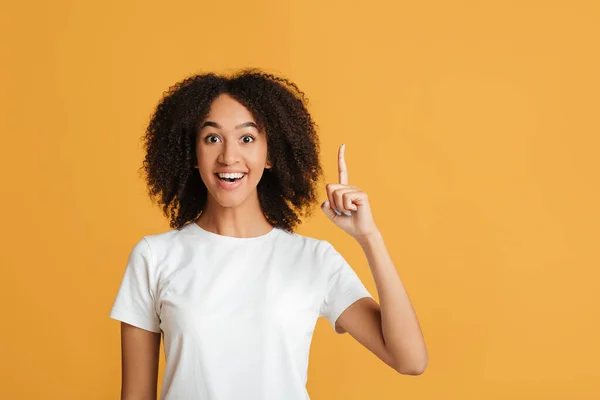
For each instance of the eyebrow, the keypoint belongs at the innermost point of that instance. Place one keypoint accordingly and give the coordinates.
(215, 125)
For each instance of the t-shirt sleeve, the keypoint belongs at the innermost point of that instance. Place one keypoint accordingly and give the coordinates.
(135, 301)
(344, 287)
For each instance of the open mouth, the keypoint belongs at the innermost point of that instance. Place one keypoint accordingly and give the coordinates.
(230, 177)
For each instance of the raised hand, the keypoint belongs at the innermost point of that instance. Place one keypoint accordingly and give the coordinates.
(347, 206)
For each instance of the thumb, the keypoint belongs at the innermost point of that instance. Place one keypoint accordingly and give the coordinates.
(328, 210)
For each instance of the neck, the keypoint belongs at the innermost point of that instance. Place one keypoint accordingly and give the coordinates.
(244, 221)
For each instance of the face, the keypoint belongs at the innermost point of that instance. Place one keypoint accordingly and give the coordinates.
(231, 153)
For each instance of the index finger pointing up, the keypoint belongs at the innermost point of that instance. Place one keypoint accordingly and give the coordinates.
(342, 170)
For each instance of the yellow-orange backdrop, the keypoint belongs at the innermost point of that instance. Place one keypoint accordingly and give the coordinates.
(472, 125)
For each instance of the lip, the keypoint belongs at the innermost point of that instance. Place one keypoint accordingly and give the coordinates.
(231, 186)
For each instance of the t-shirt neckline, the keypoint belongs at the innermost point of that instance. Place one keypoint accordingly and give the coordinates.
(197, 228)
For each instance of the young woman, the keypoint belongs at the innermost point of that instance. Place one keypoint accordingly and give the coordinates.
(233, 162)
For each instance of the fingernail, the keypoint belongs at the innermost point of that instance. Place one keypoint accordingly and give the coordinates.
(337, 212)
(325, 203)
(347, 213)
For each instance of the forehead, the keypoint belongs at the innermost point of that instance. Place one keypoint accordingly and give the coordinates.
(228, 112)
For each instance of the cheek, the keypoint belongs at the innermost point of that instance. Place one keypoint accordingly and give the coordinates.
(205, 176)
(204, 166)
(260, 154)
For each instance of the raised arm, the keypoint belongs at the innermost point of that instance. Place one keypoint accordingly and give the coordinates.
(390, 330)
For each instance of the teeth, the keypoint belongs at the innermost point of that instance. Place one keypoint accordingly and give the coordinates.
(231, 175)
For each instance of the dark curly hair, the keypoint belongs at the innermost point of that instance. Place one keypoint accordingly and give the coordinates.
(286, 192)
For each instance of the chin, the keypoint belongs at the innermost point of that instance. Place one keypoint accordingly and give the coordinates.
(234, 198)
(229, 203)
(231, 200)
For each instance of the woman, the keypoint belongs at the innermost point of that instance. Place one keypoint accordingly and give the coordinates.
(233, 162)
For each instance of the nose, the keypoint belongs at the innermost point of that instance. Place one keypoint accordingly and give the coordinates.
(229, 153)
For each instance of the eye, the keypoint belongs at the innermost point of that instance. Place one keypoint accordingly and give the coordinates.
(248, 139)
(209, 139)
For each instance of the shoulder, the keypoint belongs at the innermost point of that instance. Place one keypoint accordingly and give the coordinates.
(320, 249)
(158, 244)
(301, 240)
(164, 237)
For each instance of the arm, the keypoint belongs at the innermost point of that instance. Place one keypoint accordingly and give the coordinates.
(391, 331)
(140, 351)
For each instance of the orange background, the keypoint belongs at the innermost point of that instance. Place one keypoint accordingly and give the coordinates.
(472, 125)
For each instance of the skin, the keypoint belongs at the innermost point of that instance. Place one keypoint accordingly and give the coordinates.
(391, 330)
(223, 142)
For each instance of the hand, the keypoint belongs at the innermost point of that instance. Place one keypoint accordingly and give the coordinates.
(354, 216)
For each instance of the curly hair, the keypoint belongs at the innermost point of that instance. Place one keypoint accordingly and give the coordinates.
(286, 192)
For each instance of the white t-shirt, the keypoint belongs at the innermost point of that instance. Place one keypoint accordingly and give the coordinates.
(237, 314)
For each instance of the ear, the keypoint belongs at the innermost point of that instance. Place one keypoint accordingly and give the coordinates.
(268, 165)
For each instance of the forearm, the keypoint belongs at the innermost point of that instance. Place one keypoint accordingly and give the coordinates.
(399, 323)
